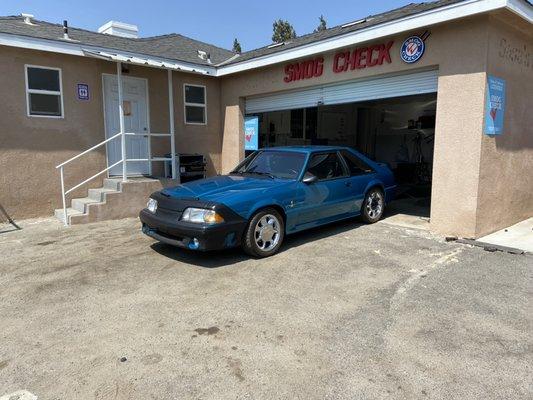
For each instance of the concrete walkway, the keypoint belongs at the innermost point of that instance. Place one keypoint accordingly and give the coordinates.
(518, 236)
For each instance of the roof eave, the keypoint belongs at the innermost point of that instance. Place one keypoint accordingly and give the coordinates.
(427, 18)
(416, 21)
(83, 50)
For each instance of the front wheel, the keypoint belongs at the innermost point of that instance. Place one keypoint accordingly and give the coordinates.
(264, 234)
(373, 206)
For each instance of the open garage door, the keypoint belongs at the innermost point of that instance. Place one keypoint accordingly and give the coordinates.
(347, 92)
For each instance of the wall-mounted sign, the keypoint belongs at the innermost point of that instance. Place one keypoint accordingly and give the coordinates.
(362, 57)
(413, 48)
(83, 91)
(358, 58)
(494, 106)
(304, 70)
(126, 107)
(251, 133)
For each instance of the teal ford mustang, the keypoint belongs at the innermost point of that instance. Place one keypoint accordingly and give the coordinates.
(274, 192)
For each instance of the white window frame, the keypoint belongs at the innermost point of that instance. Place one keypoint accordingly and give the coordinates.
(185, 104)
(52, 92)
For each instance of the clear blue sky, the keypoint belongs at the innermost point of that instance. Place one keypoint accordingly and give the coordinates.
(212, 21)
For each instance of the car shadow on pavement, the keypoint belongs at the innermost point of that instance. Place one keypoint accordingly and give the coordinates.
(223, 258)
(209, 259)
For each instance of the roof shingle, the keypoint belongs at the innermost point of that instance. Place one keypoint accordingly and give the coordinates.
(181, 48)
(172, 46)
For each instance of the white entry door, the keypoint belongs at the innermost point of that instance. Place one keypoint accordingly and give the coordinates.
(135, 120)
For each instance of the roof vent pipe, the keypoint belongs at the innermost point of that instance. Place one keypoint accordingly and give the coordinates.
(65, 30)
(27, 18)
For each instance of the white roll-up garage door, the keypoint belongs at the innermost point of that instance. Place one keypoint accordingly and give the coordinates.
(347, 92)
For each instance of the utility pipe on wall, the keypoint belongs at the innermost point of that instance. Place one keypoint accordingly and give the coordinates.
(171, 116)
(121, 121)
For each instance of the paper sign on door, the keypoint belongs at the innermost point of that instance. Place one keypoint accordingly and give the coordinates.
(126, 106)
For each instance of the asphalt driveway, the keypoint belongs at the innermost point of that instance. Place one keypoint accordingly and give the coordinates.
(344, 312)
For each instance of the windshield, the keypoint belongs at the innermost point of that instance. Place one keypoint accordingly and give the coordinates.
(275, 164)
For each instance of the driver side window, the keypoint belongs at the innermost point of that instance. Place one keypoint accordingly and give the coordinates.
(326, 166)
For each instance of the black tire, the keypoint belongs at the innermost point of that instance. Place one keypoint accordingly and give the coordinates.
(252, 242)
(373, 206)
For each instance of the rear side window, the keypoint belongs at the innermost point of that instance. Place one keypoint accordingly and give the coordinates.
(326, 166)
(355, 164)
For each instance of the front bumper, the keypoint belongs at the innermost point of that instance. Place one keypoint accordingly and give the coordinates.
(165, 225)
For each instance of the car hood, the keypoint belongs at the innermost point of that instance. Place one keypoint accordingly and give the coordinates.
(225, 187)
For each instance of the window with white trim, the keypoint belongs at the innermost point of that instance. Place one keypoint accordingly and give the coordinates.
(43, 91)
(195, 104)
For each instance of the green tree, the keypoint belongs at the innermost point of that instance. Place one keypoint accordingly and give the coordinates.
(322, 25)
(282, 31)
(237, 46)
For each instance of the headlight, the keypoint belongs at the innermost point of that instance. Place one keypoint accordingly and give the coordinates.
(151, 205)
(201, 216)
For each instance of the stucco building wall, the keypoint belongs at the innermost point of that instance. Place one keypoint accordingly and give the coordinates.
(31, 147)
(480, 183)
(458, 50)
(506, 165)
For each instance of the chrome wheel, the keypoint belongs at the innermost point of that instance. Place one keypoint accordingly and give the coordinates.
(267, 232)
(374, 205)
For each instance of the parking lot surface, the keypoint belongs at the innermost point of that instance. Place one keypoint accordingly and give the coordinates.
(347, 311)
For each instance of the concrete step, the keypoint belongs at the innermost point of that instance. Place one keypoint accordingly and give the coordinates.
(81, 204)
(99, 194)
(126, 200)
(113, 184)
(70, 212)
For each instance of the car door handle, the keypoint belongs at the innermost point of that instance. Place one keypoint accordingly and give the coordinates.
(348, 183)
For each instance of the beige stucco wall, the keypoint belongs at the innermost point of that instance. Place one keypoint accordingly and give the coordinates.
(458, 50)
(506, 166)
(31, 147)
(475, 186)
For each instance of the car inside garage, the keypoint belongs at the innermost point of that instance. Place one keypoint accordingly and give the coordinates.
(397, 130)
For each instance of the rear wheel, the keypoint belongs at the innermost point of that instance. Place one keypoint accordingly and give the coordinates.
(264, 234)
(373, 206)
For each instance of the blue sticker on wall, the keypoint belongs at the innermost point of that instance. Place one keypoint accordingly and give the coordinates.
(494, 106)
(83, 91)
(251, 133)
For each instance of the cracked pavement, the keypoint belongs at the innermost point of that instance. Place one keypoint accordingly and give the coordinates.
(345, 311)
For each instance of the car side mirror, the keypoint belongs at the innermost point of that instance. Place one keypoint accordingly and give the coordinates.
(309, 178)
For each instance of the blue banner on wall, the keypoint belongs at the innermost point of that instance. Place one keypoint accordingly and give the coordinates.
(494, 106)
(251, 133)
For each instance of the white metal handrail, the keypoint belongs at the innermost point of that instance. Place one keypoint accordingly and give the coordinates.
(62, 173)
(61, 166)
(92, 177)
(88, 150)
(122, 134)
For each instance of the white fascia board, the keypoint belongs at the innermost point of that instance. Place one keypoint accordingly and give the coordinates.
(77, 49)
(521, 8)
(416, 21)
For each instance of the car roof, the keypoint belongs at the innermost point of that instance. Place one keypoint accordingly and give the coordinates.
(305, 149)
